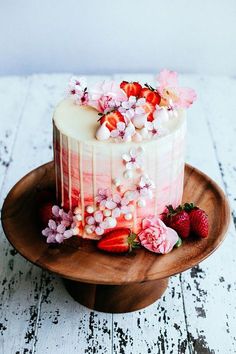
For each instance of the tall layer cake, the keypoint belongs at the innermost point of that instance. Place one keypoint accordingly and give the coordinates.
(119, 152)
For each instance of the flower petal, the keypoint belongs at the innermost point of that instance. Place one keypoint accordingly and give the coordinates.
(99, 231)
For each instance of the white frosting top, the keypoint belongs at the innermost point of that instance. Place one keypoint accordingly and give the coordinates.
(81, 122)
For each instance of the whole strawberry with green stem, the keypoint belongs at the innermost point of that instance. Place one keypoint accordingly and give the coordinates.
(199, 223)
(178, 219)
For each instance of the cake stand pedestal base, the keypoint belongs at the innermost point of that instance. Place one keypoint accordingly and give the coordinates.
(116, 298)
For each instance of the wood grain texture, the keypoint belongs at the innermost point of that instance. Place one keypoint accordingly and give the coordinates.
(80, 260)
(35, 306)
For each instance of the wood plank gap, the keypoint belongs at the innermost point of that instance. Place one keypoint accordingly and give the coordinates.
(185, 313)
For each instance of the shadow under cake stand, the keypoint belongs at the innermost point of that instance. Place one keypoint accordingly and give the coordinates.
(102, 281)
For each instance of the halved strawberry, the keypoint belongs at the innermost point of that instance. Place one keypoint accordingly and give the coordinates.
(131, 88)
(45, 213)
(151, 95)
(119, 240)
(112, 119)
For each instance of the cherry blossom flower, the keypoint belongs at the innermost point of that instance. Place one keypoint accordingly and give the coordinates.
(123, 132)
(118, 205)
(146, 185)
(134, 159)
(156, 236)
(77, 89)
(106, 96)
(155, 128)
(132, 107)
(104, 194)
(61, 227)
(169, 89)
(97, 223)
(142, 190)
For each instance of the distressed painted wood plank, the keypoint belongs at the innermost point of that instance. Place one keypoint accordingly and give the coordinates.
(160, 328)
(209, 289)
(21, 282)
(13, 95)
(73, 328)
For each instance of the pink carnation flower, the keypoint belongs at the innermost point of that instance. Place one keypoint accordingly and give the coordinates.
(179, 97)
(156, 236)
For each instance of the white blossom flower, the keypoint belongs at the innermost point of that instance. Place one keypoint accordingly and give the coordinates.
(134, 159)
(123, 132)
(155, 128)
(118, 205)
(77, 89)
(104, 194)
(142, 190)
(132, 107)
(96, 223)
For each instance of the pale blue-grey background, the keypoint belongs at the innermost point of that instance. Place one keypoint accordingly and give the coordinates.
(105, 36)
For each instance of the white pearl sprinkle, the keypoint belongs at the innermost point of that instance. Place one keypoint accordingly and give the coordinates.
(116, 182)
(78, 217)
(111, 221)
(77, 210)
(107, 212)
(128, 174)
(75, 231)
(88, 229)
(128, 216)
(90, 209)
(141, 203)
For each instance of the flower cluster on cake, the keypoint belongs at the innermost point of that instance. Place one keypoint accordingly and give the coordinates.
(119, 161)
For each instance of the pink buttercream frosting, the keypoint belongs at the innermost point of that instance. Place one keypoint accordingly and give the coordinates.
(156, 236)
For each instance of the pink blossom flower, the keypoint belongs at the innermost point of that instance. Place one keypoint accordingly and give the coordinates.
(170, 91)
(134, 159)
(106, 96)
(132, 107)
(77, 89)
(123, 132)
(104, 194)
(61, 227)
(142, 190)
(156, 236)
(118, 205)
(97, 223)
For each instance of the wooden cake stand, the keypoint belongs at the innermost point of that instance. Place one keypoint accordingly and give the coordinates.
(107, 282)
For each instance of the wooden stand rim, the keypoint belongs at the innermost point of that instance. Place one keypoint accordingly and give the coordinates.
(80, 260)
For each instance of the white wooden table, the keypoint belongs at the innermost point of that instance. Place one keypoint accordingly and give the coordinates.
(197, 313)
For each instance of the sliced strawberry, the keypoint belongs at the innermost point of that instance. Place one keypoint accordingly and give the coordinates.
(199, 222)
(131, 88)
(150, 117)
(112, 119)
(119, 240)
(178, 219)
(151, 95)
(45, 213)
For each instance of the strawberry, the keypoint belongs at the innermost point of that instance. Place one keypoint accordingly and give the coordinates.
(119, 240)
(45, 213)
(151, 95)
(131, 88)
(178, 219)
(112, 119)
(199, 222)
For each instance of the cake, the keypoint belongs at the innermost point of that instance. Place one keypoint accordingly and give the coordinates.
(119, 152)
